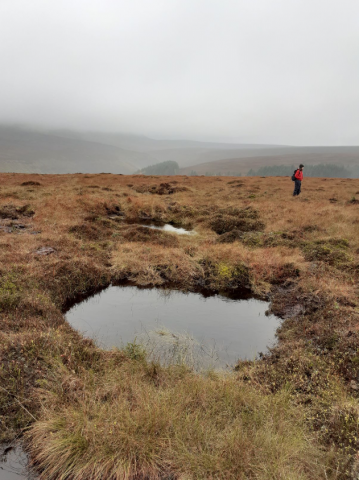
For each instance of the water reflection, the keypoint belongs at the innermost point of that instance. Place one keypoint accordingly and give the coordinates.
(169, 228)
(14, 464)
(229, 327)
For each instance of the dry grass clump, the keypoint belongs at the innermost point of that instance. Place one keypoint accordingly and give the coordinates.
(88, 231)
(150, 264)
(144, 422)
(259, 239)
(245, 220)
(230, 237)
(226, 223)
(333, 251)
(137, 233)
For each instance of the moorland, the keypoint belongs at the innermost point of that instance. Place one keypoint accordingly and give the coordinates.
(86, 413)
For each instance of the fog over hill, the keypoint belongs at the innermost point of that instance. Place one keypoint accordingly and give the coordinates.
(255, 158)
(30, 151)
(69, 151)
(26, 149)
(184, 152)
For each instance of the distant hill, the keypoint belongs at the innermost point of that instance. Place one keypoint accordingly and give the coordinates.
(184, 152)
(163, 168)
(141, 142)
(36, 152)
(68, 151)
(254, 159)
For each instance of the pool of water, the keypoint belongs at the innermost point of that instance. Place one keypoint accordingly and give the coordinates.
(169, 228)
(14, 464)
(165, 227)
(224, 329)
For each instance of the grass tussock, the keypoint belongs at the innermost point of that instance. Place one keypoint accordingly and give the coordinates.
(137, 233)
(88, 413)
(142, 422)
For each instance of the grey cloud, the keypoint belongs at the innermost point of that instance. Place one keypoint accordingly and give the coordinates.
(280, 71)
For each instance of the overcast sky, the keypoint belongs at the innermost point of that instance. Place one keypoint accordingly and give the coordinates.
(258, 71)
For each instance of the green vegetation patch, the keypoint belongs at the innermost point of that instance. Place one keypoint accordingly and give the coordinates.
(333, 251)
(10, 292)
(225, 274)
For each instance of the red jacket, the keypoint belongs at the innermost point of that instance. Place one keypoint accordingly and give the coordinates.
(299, 175)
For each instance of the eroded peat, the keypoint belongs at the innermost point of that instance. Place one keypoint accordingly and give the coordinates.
(78, 404)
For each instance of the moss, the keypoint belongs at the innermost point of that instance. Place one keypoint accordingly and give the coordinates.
(225, 275)
(225, 271)
(10, 292)
(333, 252)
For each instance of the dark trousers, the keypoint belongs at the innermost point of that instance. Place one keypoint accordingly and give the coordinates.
(297, 187)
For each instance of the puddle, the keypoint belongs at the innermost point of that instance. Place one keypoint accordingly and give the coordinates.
(14, 464)
(149, 223)
(169, 228)
(222, 328)
(165, 227)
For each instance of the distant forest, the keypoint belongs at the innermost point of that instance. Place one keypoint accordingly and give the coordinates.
(163, 168)
(320, 170)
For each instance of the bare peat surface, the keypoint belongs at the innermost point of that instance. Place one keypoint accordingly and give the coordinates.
(220, 328)
(14, 464)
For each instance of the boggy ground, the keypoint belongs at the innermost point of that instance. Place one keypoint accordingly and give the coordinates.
(90, 414)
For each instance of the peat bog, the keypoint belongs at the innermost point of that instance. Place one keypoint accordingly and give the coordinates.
(75, 405)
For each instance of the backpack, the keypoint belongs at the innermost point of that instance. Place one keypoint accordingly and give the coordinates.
(293, 176)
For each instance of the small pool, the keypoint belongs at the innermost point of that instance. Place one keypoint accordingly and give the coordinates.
(14, 464)
(221, 328)
(165, 227)
(169, 228)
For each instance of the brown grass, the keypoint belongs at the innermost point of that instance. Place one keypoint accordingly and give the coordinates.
(292, 414)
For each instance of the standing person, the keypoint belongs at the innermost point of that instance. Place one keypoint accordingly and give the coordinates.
(298, 177)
